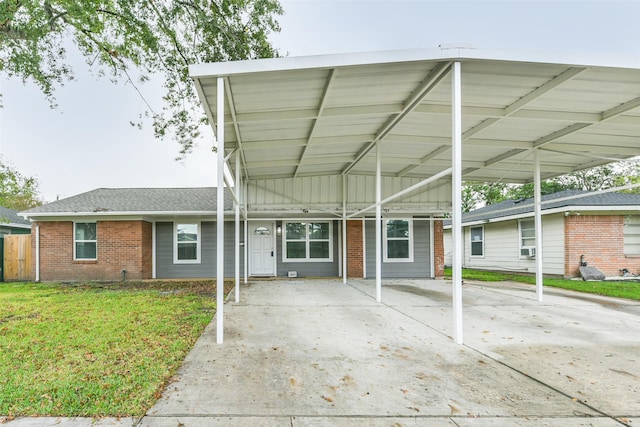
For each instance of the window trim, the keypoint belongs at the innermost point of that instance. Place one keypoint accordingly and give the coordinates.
(75, 241)
(385, 239)
(198, 243)
(521, 238)
(307, 241)
(471, 241)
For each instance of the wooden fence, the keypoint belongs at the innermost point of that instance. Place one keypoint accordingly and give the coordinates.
(17, 257)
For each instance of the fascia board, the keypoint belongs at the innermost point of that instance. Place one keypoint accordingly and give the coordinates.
(453, 53)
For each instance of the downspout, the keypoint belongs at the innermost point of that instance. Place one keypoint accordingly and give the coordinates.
(37, 253)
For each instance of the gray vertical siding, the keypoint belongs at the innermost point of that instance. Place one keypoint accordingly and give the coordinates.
(309, 269)
(421, 265)
(166, 269)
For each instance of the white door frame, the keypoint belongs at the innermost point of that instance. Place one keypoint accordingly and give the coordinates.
(272, 227)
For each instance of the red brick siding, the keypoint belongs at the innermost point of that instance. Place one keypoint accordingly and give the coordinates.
(355, 249)
(438, 249)
(121, 245)
(600, 238)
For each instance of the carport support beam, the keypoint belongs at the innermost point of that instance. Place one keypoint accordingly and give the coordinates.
(537, 188)
(238, 188)
(220, 214)
(378, 225)
(456, 197)
(344, 229)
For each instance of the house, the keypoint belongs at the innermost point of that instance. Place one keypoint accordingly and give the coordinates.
(12, 223)
(143, 233)
(602, 229)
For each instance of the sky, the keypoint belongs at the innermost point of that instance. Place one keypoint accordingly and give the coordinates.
(87, 142)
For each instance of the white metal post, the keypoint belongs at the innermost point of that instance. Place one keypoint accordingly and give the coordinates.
(456, 197)
(538, 223)
(154, 255)
(220, 214)
(378, 225)
(246, 232)
(237, 236)
(344, 229)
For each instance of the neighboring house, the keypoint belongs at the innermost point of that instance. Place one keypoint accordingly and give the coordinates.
(11, 223)
(171, 233)
(602, 228)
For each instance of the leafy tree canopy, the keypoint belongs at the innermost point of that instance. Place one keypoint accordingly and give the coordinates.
(18, 192)
(476, 194)
(140, 38)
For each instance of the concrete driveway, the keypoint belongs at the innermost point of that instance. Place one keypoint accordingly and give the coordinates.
(320, 353)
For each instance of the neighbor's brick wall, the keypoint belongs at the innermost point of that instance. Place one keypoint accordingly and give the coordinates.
(438, 249)
(121, 245)
(355, 249)
(600, 238)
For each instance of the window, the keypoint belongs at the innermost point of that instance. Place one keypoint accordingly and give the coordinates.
(187, 243)
(632, 235)
(477, 241)
(398, 240)
(85, 241)
(307, 241)
(527, 237)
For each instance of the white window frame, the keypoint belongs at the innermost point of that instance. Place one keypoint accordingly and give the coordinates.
(385, 239)
(631, 235)
(307, 241)
(198, 243)
(471, 241)
(75, 241)
(521, 238)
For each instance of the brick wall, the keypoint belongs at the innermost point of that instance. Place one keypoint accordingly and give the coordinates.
(121, 245)
(438, 249)
(355, 249)
(600, 238)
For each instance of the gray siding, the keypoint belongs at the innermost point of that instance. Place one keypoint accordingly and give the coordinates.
(421, 265)
(310, 269)
(166, 269)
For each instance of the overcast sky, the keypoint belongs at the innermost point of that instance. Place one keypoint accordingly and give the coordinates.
(87, 142)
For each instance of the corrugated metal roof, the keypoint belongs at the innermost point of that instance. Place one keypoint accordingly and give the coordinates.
(321, 115)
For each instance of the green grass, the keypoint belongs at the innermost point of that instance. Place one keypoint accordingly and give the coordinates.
(95, 349)
(622, 289)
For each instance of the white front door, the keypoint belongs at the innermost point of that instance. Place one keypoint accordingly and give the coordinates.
(263, 248)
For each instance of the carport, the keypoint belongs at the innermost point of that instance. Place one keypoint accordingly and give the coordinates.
(366, 135)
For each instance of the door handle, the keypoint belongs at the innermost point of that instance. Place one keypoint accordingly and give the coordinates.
(271, 253)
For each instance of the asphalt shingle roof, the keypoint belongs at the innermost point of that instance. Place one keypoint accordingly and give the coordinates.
(137, 200)
(8, 216)
(517, 207)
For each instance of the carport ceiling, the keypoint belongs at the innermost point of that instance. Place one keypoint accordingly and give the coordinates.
(322, 115)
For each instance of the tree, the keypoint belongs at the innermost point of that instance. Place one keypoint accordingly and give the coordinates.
(127, 39)
(598, 178)
(16, 191)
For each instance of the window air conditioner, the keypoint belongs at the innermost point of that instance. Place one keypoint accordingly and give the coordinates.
(530, 252)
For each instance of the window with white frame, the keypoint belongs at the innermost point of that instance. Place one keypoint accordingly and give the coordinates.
(186, 243)
(85, 241)
(398, 240)
(307, 241)
(477, 241)
(527, 237)
(632, 235)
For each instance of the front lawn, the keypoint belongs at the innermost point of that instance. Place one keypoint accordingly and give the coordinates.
(95, 349)
(622, 289)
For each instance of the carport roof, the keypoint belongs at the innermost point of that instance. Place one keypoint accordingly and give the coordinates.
(322, 115)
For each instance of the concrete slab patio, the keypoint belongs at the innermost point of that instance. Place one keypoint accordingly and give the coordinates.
(318, 352)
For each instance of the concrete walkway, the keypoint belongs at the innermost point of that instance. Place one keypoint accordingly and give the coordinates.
(320, 353)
